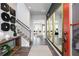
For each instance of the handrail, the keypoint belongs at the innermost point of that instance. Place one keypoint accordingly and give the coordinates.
(74, 24)
(23, 25)
(10, 39)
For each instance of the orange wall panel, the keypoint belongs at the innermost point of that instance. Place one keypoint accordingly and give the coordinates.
(66, 29)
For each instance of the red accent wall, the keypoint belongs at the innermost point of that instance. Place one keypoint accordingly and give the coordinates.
(66, 29)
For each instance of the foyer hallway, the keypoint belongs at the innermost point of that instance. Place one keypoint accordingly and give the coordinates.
(39, 48)
(39, 29)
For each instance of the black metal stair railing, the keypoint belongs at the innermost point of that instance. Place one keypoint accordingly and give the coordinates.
(24, 27)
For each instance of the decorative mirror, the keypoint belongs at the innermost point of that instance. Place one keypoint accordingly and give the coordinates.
(5, 26)
(12, 11)
(13, 27)
(5, 7)
(5, 16)
(12, 20)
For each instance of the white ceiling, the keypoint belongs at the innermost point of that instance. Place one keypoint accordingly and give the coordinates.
(38, 8)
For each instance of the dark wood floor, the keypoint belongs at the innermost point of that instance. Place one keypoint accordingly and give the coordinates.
(24, 51)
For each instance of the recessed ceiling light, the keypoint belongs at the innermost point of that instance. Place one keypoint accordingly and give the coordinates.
(43, 10)
(29, 7)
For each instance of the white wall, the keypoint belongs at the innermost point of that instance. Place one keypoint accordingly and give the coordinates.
(39, 20)
(38, 17)
(23, 13)
(13, 5)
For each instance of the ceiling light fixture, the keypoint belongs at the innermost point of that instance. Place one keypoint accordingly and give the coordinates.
(29, 7)
(43, 10)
